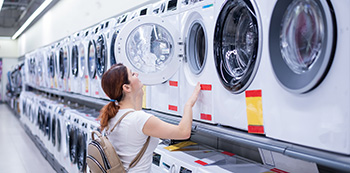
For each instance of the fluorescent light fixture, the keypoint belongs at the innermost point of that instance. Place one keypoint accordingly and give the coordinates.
(31, 18)
(1, 2)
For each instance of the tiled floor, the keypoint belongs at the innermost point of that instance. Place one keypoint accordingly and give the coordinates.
(18, 153)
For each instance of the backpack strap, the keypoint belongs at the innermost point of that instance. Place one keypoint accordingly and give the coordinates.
(120, 119)
(143, 149)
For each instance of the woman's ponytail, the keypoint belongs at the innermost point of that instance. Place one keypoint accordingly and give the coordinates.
(112, 82)
(107, 112)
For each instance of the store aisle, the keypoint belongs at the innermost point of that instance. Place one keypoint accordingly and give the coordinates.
(18, 152)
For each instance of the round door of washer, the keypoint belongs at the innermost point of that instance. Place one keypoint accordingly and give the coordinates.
(150, 46)
(92, 59)
(75, 61)
(305, 33)
(237, 44)
(101, 55)
(82, 62)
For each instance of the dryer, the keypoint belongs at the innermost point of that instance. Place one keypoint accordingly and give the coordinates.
(74, 81)
(164, 96)
(239, 65)
(197, 29)
(307, 97)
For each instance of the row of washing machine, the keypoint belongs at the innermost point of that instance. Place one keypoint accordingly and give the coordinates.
(63, 128)
(275, 67)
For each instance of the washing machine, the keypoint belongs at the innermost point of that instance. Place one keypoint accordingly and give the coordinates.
(30, 70)
(39, 79)
(91, 61)
(88, 123)
(52, 67)
(74, 81)
(63, 63)
(48, 126)
(59, 147)
(150, 45)
(102, 40)
(197, 18)
(83, 64)
(305, 101)
(46, 67)
(239, 65)
(71, 141)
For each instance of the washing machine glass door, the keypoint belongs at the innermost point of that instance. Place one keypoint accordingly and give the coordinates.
(65, 62)
(81, 148)
(196, 46)
(82, 60)
(92, 59)
(150, 46)
(112, 57)
(61, 63)
(236, 45)
(75, 61)
(59, 134)
(101, 55)
(305, 32)
(48, 125)
(53, 130)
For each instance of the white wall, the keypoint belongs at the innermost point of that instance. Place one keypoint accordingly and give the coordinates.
(69, 16)
(8, 48)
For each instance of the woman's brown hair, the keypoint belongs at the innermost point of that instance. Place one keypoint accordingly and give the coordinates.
(112, 84)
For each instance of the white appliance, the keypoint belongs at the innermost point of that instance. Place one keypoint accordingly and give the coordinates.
(307, 94)
(91, 61)
(103, 39)
(114, 31)
(39, 56)
(72, 140)
(52, 63)
(74, 81)
(197, 29)
(63, 57)
(237, 46)
(164, 95)
(83, 65)
(60, 148)
(46, 66)
(82, 135)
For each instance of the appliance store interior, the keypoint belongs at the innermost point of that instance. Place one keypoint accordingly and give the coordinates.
(274, 96)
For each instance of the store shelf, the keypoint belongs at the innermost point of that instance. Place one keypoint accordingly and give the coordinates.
(328, 159)
(332, 160)
(73, 97)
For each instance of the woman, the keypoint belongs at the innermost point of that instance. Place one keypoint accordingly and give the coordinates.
(125, 90)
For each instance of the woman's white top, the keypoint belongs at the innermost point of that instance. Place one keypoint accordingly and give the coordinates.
(128, 139)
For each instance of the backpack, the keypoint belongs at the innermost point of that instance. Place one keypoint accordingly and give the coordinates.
(103, 158)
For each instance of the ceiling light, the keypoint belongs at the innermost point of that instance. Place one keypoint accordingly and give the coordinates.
(1, 2)
(31, 18)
